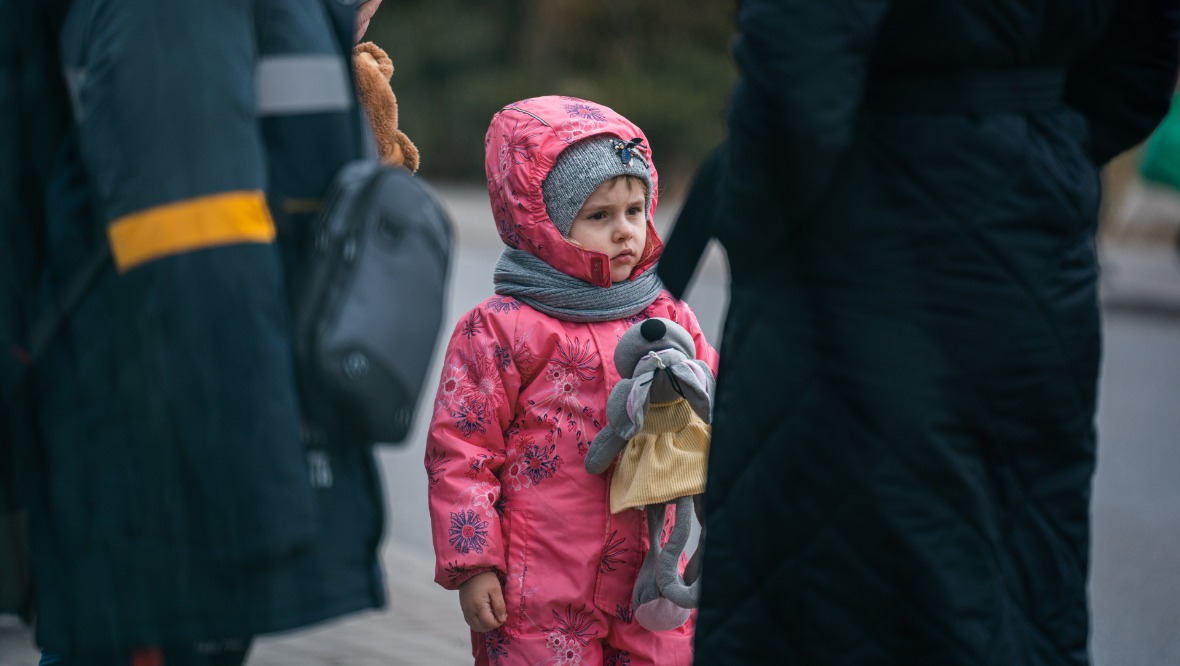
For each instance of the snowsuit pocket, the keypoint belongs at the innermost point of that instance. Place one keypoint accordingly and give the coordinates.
(516, 560)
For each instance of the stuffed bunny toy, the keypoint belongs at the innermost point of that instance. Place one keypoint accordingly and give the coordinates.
(657, 426)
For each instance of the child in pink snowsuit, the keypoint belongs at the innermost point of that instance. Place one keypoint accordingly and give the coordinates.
(544, 571)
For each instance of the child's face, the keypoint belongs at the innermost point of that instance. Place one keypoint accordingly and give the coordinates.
(613, 221)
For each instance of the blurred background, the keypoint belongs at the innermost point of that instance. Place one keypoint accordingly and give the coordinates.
(667, 69)
(457, 63)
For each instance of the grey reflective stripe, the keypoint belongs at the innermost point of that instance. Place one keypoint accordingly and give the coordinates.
(302, 83)
(75, 77)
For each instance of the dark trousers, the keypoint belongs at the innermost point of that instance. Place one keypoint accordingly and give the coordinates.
(213, 653)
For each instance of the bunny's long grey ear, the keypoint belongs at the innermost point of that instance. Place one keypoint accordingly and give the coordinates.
(637, 403)
(696, 382)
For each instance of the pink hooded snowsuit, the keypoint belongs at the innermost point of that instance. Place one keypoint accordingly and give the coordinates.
(521, 396)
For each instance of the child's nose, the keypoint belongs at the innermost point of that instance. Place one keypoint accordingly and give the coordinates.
(623, 231)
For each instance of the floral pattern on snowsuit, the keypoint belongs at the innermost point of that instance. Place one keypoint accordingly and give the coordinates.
(508, 489)
(520, 397)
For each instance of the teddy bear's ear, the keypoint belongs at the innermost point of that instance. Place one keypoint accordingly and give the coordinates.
(380, 58)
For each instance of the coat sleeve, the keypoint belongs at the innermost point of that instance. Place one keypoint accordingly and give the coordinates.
(705, 351)
(1124, 84)
(803, 65)
(802, 68)
(465, 447)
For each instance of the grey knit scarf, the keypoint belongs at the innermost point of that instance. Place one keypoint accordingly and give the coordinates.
(525, 277)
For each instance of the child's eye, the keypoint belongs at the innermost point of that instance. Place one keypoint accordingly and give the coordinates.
(597, 215)
(635, 210)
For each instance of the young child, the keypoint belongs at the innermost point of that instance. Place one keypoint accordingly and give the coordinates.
(544, 571)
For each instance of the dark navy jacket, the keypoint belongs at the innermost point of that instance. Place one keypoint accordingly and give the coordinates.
(170, 494)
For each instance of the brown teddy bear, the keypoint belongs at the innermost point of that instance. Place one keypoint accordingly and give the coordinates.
(373, 69)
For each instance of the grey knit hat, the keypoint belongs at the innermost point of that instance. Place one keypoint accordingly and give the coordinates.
(582, 167)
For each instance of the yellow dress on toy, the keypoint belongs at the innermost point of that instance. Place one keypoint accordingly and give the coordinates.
(664, 461)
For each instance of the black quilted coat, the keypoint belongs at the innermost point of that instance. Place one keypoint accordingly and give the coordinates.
(904, 437)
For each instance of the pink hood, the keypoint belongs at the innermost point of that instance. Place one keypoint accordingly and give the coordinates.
(521, 146)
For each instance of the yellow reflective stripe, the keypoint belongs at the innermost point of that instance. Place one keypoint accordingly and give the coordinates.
(225, 218)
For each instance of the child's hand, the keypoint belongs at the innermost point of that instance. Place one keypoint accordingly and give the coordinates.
(482, 599)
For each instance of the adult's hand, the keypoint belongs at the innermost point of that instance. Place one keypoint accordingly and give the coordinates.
(364, 14)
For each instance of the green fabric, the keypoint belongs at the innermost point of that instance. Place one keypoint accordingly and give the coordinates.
(1161, 158)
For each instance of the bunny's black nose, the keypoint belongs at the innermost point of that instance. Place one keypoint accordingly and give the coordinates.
(652, 330)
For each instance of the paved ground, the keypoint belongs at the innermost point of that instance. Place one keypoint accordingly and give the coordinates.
(423, 625)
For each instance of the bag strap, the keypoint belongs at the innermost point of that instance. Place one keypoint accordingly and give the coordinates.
(49, 322)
